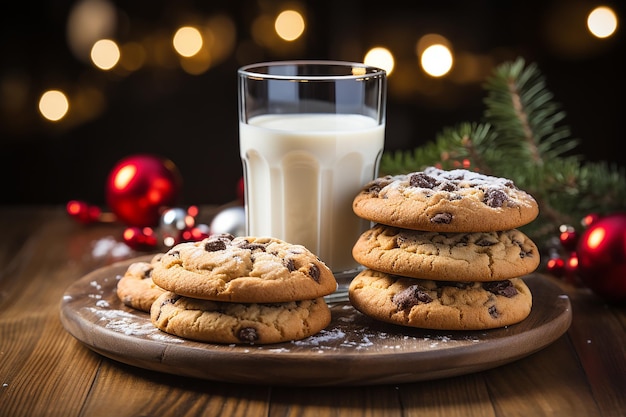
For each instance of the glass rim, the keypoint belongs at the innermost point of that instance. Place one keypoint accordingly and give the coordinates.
(368, 71)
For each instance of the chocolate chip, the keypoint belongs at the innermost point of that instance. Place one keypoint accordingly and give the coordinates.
(402, 239)
(170, 300)
(442, 218)
(174, 254)
(455, 284)
(374, 190)
(253, 246)
(147, 273)
(378, 184)
(289, 264)
(523, 253)
(495, 198)
(223, 236)
(485, 242)
(218, 242)
(212, 245)
(248, 334)
(504, 288)
(411, 296)
(493, 312)
(314, 272)
(422, 180)
(447, 186)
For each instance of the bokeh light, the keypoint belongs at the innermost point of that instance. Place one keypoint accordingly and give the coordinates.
(261, 30)
(380, 57)
(429, 40)
(198, 63)
(602, 22)
(220, 37)
(53, 105)
(436, 60)
(187, 41)
(105, 54)
(89, 21)
(133, 56)
(289, 25)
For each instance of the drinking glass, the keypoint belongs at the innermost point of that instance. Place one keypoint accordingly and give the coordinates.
(311, 134)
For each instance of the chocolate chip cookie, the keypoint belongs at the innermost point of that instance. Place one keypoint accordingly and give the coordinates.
(446, 201)
(478, 256)
(244, 270)
(441, 305)
(239, 323)
(136, 288)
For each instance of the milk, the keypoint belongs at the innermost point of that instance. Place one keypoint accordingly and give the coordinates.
(302, 172)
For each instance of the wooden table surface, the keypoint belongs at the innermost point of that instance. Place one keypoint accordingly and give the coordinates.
(44, 371)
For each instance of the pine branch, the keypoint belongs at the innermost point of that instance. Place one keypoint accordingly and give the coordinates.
(520, 106)
(523, 137)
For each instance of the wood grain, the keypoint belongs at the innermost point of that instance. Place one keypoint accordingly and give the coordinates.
(45, 371)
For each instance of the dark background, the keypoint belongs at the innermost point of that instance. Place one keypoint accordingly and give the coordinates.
(192, 119)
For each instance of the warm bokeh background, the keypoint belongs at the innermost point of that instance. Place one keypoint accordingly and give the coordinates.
(185, 109)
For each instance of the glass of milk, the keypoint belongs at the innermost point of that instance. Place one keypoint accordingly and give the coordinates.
(311, 134)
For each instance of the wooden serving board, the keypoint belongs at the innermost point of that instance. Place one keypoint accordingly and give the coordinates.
(352, 350)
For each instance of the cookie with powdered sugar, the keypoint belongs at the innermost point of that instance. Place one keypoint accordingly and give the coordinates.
(244, 269)
(446, 201)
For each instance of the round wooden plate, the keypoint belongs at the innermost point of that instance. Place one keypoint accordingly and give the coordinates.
(352, 350)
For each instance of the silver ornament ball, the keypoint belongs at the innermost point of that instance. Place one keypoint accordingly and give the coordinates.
(175, 220)
(230, 220)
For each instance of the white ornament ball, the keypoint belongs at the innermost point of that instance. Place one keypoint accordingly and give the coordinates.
(230, 220)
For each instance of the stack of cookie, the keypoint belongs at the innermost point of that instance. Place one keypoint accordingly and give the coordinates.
(227, 289)
(445, 252)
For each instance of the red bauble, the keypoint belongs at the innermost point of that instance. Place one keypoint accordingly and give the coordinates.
(140, 238)
(568, 238)
(602, 257)
(241, 191)
(139, 186)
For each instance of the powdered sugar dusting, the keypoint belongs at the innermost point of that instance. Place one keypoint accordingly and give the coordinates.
(110, 247)
(350, 330)
(127, 323)
(321, 338)
(466, 178)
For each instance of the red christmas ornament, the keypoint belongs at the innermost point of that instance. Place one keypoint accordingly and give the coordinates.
(602, 257)
(568, 238)
(196, 233)
(140, 238)
(241, 191)
(139, 187)
(589, 219)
